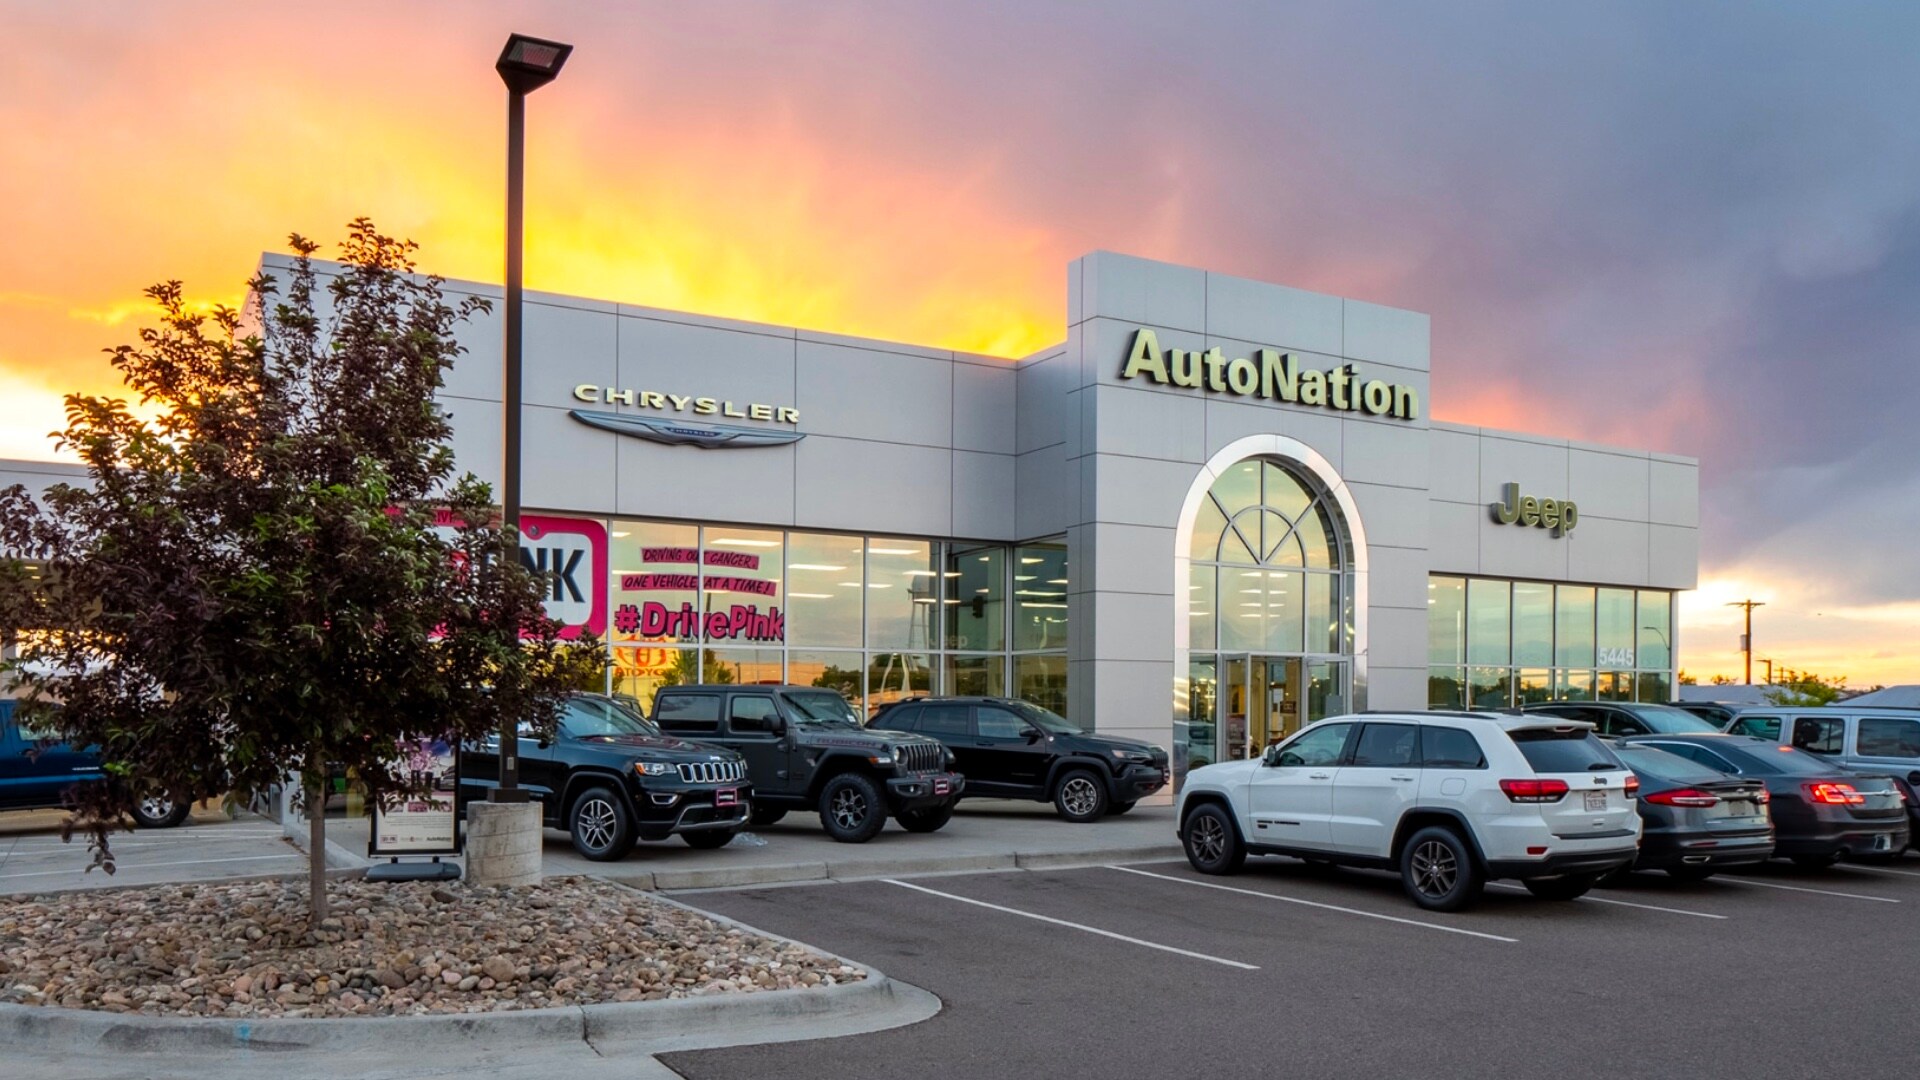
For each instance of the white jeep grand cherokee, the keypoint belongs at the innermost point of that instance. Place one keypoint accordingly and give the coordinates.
(1449, 800)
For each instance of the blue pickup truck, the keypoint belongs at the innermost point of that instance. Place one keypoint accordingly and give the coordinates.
(37, 768)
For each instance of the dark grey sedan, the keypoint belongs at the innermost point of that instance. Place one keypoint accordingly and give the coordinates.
(1695, 820)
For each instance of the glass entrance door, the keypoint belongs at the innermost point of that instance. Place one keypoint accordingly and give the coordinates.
(1261, 703)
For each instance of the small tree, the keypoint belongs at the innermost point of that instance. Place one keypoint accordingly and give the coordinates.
(251, 586)
(1804, 688)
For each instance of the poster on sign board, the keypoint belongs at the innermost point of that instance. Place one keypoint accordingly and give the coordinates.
(424, 823)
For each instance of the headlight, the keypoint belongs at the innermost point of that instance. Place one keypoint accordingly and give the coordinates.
(1132, 755)
(655, 768)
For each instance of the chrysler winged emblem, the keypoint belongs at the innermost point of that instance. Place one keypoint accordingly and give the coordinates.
(683, 433)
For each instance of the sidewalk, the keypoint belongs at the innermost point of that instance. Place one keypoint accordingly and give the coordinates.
(983, 835)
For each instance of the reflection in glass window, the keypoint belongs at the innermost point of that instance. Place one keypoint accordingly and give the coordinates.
(976, 597)
(903, 593)
(892, 676)
(640, 671)
(1200, 734)
(1042, 679)
(977, 676)
(1446, 620)
(1656, 631)
(1490, 688)
(1573, 626)
(742, 667)
(1572, 685)
(1613, 612)
(1200, 613)
(1532, 624)
(830, 670)
(1535, 685)
(1040, 596)
(654, 582)
(1488, 612)
(1446, 688)
(820, 609)
(1655, 686)
(1262, 610)
(740, 581)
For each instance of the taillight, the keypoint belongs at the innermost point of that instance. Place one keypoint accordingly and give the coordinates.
(1534, 791)
(1633, 785)
(1763, 796)
(1684, 797)
(1834, 794)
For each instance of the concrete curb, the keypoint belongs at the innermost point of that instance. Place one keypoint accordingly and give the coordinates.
(724, 877)
(719, 1019)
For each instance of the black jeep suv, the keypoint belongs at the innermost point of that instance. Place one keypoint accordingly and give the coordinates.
(609, 777)
(805, 749)
(1018, 750)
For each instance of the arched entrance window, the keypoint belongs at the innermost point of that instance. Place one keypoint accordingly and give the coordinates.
(1270, 602)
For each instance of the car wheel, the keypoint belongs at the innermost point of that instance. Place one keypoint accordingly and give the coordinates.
(851, 810)
(1080, 796)
(1122, 807)
(601, 825)
(708, 839)
(1212, 844)
(1690, 873)
(1814, 862)
(1438, 871)
(926, 821)
(1564, 887)
(764, 817)
(159, 812)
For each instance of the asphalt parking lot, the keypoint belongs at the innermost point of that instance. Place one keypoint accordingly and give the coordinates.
(208, 846)
(1152, 970)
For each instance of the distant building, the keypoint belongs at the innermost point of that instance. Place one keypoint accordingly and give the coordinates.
(1899, 697)
(1727, 693)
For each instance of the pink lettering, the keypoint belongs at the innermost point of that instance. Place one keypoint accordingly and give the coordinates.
(669, 555)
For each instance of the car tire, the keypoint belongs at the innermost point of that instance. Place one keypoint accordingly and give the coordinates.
(1080, 796)
(601, 825)
(1122, 807)
(851, 809)
(1564, 887)
(1211, 842)
(1690, 873)
(1438, 870)
(159, 812)
(708, 839)
(1814, 862)
(764, 817)
(926, 821)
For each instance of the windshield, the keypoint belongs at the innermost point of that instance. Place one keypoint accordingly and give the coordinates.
(1667, 720)
(594, 717)
(1046, 719)
(820, 707)
(1574, 751)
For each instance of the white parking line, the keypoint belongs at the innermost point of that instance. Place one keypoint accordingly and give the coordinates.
(153, 865)
(1620, 903)
(1317, 904)
(1816, 892)
(1881, 870)
(1073, 925)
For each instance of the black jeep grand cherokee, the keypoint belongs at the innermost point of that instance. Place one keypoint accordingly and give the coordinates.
(806, 750)
(1018, 750)
(609, 777)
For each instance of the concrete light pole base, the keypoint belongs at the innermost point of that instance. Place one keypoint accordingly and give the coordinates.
(503, 843)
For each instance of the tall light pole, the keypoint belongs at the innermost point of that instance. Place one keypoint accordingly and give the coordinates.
(1746, 639)
(525, 65)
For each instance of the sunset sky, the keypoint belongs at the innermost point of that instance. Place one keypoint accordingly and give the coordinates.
(1687, 226)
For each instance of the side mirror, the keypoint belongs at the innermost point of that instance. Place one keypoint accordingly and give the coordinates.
(1033, 735)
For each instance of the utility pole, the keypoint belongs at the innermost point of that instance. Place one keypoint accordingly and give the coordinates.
(1746, 639)
(1767, 660)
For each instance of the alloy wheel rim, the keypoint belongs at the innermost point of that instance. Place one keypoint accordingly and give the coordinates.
(1208, 839)
(1434, 869)
(596, 824)
(1079, 796)
(156, 807)
(849, 808)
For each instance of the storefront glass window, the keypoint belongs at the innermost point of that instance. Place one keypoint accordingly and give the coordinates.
(976, 597)
(903, 593)
(1446, 688)
(654, 586)
(742, 667)
(1655, 686)
(1040, 596)
(1488, 604)
(1532, 624)
(1614, 686)
(1318, 539)
(1490, 688)
(1573, 685)
(740, 581)
(1238, 487)
(1200, 613)
(830, 670)
(1323, 614)
(1042, 679)
(1656, 631)
(892, 676)
(1262, 611)
(1446, 620)
(1202, 694)
(821, 609)
(1536, 685)
(1613, 611)
(640, 671)
(1207, 528)
(1573, 626)
(977, 676)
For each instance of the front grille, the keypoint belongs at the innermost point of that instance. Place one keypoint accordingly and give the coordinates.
(712, 772)
(920, 757)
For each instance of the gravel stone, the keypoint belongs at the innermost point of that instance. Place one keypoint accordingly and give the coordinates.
(405, 948)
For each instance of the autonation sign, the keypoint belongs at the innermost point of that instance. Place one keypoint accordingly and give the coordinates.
(1269, 374)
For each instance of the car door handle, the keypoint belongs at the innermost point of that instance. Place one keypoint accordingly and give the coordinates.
(1318, 775)
(1400, 778)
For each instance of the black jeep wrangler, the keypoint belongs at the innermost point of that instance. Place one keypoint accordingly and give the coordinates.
(609, 777)
(805, 749)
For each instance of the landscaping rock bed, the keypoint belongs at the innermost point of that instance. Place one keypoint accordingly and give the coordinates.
(245, 950)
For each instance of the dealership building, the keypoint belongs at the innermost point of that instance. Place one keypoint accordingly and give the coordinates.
(1217, 510)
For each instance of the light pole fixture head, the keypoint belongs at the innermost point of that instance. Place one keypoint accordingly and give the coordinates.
(529, 63)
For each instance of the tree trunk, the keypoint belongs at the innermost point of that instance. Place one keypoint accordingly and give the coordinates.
(316, 847)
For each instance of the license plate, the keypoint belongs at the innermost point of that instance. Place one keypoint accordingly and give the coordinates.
(1596, 800)
(1882, 842)
(942, 787)
(726, 796)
